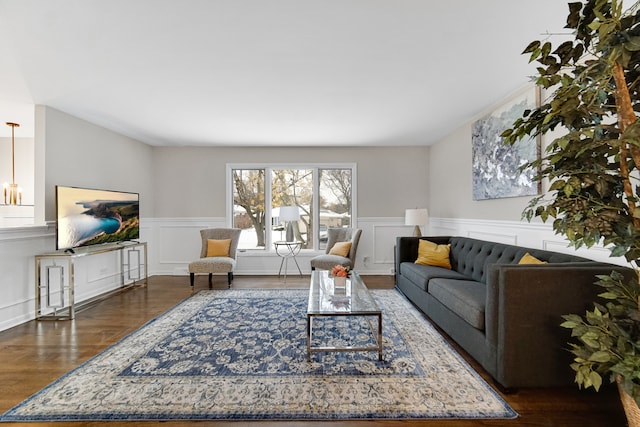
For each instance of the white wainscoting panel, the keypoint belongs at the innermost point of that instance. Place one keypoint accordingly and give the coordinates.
(384, 237)
(17, 281)
(376, 248)
(530, 235)
(176, 241)
(507, 239)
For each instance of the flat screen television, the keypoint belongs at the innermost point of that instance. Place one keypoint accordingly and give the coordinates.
(86, 216)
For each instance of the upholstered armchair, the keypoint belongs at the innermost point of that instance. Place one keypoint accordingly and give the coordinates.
(342, 245)
(217, 255)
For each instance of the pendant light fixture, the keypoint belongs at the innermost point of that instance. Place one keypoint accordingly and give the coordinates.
(15, 192)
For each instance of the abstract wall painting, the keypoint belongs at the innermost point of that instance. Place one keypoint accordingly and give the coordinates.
(495, 165)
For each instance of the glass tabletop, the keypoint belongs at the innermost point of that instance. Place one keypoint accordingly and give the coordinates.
(326, 299)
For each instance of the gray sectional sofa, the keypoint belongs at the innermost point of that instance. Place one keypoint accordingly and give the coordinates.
(505, 315)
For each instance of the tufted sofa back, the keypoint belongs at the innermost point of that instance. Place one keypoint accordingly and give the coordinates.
(471, 257)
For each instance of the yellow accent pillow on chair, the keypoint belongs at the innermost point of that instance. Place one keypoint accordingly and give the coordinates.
(341, 248)
(218, 247)
(430, 253)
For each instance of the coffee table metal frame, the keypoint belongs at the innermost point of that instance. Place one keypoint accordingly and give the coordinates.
(356, 300)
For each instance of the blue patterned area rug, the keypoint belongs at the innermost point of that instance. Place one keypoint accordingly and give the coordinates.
(241, 355)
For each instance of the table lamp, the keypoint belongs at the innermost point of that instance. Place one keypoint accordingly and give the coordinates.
(289, 214)
(416, 217)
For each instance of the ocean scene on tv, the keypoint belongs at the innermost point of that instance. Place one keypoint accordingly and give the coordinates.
(91, 217)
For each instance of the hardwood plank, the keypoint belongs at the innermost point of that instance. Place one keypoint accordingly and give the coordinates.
(35, 354)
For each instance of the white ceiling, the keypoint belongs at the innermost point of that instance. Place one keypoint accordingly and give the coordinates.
(268, 72)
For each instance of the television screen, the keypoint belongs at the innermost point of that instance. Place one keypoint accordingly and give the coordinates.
(89, 217)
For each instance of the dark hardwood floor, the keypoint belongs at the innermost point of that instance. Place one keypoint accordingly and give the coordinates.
(34, 354)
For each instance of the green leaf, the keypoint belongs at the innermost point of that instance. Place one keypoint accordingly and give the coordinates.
(544, 215)
(590, 339)
(600, 357)
(569, 324)
(608, 295)
(568, 189)
(574, 14)
(573, 318)
(633, 44)
(565, 51)
(595, 379)
(606, 28)
(534, 55)
(548, 118)
(618, 251)
(532, 46)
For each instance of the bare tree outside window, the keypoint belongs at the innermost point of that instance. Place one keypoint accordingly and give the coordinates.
(335, 201)
(294, 187)
(249, 206)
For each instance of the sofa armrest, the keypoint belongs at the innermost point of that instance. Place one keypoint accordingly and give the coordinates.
(407, 248)
(523, 311)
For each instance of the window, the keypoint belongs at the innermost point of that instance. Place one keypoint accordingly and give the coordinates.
(322, 194)
(335, 201)
(249, 211)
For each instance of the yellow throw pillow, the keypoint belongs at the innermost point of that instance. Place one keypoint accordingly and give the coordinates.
(433, 254)
(530, 259)
(218, 247)
(340, 248)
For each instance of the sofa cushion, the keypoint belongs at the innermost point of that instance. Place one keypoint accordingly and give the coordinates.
(420, 274)
(466, 298)
(530, 259)
(430, 253)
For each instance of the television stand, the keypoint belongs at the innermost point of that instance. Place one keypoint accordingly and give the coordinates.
(55, 295)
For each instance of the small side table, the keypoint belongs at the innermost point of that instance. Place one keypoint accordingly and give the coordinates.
(286, 251)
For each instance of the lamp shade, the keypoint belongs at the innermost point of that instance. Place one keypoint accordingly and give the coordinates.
(289, 213)
(416, 217)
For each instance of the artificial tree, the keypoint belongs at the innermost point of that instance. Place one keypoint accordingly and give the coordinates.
(593, 82)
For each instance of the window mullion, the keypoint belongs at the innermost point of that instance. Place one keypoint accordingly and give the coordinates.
(268, 190)
(316, 208)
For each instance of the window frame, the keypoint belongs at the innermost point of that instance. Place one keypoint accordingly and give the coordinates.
(268, 167)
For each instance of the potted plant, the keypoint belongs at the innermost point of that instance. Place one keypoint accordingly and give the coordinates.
(593, 165)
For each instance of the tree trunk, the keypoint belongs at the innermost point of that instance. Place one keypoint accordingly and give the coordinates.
(626, 117)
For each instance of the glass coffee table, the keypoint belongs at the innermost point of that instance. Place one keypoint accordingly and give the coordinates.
(325, 300)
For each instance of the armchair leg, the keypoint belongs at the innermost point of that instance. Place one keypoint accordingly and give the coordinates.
(210, 280)
(192, 280)
(230, 277)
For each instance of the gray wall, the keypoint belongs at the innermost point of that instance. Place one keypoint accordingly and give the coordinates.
(191, 182)
(81, 154)
(176, 182)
